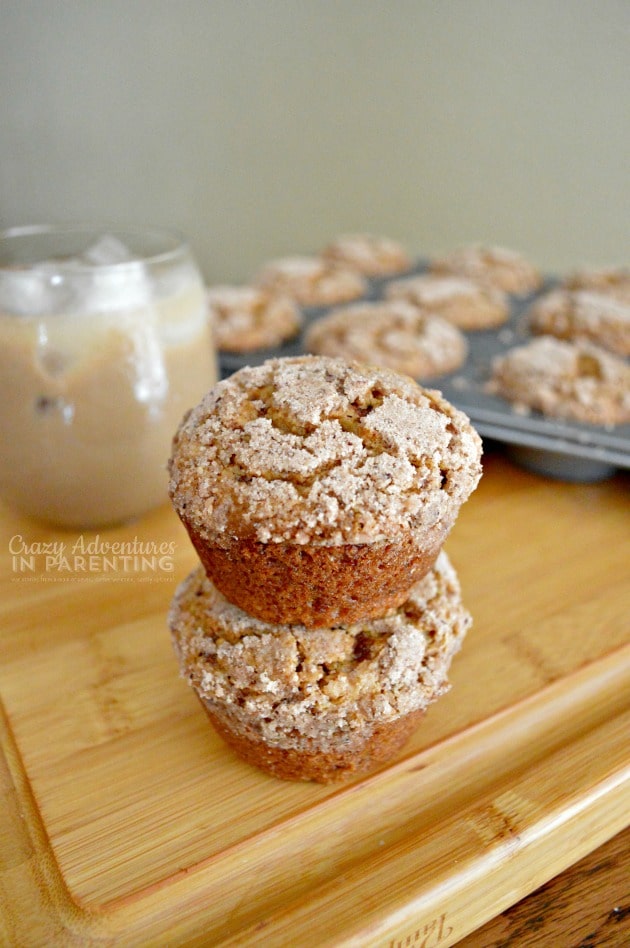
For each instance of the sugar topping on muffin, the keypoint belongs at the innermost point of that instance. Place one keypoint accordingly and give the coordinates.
(462, 301)
(392, 333)
(505, 269)
(317, 450)
(245, 318)
(371, 255)
(563, 379)
(612, 281)
(601, 317)
(312, 281)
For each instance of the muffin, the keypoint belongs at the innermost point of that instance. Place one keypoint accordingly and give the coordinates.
(394, 333)
(312, 281)
(463, 302)
(574, 380)
(318, 704)
(505, 269)
(245, 318)
(612, 281)
(373, 256)
(598, 317)
(319, 491)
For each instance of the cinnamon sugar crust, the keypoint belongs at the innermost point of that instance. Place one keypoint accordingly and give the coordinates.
(318, 692)
(394, 333)
(565, 379)
(594, 315)
(505, 269)
(314, 450)
(612, 281)
(374, 256)
(245, 318)
(458, 299)
(312, 281)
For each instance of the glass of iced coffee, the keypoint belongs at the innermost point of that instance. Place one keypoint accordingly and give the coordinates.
(104, 344)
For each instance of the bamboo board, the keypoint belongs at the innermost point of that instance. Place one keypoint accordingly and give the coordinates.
(127, 821)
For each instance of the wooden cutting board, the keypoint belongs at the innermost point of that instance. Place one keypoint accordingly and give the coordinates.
(127, 821)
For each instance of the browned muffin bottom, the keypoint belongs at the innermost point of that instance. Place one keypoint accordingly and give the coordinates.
(382, 745)
(318, 491)
(575, 380)
(312, 281)
(505, 269)
(318, 704)
(371, 255)
(460, 300)
(599, 317)
(245, 318)
(392, 333)
(317, 585)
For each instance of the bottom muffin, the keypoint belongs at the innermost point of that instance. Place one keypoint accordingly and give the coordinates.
(318, 704)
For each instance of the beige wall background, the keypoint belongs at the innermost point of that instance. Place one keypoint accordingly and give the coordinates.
(264, 127)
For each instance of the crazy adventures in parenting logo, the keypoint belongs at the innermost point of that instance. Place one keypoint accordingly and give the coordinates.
(91, 558)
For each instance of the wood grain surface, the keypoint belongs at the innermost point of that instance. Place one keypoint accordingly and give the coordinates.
(586, 906)
(127, 821)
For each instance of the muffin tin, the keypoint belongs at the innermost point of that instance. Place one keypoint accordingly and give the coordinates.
(563, 449)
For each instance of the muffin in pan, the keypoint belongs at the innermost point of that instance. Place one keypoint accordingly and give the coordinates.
(245, 318)
(505, 269)
(325, 704)
(611, 281)
(312, 281)
(574, 380)
(462, 301)
(600, 317)
(319, 491)
(371, 255)
(391, 333)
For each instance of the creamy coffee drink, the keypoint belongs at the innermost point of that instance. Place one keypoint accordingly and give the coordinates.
(99, 360)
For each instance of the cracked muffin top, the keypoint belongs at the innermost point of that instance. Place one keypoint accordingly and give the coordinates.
(506, 269)
(612, 281)
(246, 317)
(313, 682)
(603, 318)
(575, 380)
(374, 256)
(319, 450)
(312, 281)
(392, 333)
(460, 299)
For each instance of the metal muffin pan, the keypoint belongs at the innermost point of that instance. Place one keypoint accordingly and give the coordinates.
(561, 449)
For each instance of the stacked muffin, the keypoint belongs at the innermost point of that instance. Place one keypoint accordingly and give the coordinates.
(323, 618)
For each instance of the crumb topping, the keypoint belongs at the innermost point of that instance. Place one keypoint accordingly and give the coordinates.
(613, 281)
(312, 281)
(246, 317)
(394, 333)
(296, 682)
(369, 254)
(428, 290)
(506, 269)
(566, 379)
(462, 301)
(596, 315)
(317, 450)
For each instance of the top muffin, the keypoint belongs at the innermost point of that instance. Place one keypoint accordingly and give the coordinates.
(315, 450)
